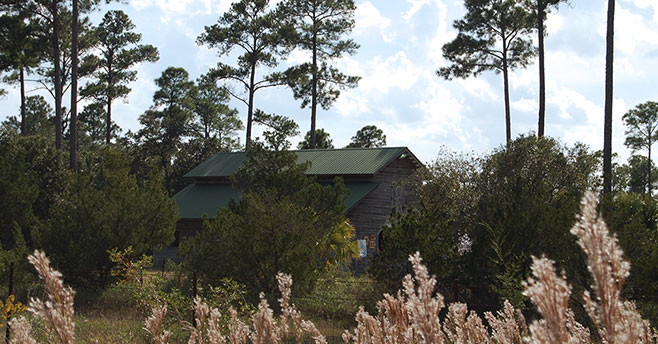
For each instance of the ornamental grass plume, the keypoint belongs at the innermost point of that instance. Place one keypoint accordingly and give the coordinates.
(616, 320)
(57, 311)
(291, 318)
(208, 329)
(551, 295)
(21, 331)
(509, 327)
(155, 325)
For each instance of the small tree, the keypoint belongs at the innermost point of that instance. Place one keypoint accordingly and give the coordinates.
(282, 223)
(37, 119)
(493, 35)
(213, 119)
(322, 140)
(642, 131)
(106, 208)
(167, 122)
(368, 136)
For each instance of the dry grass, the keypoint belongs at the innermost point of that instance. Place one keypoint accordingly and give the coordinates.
(411, 316)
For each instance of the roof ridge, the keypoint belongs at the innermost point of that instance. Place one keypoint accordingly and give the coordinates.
(347, 148)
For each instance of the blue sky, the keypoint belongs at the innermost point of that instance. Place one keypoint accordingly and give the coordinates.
(399, 92)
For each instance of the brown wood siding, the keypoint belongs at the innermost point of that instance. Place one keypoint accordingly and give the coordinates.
(373, 211)
(188, 227)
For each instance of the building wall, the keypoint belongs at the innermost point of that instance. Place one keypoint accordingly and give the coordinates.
(373, 211)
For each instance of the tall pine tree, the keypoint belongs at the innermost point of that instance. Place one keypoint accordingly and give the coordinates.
(252, 27)
(320, 29)
(607, 121)
(21, 50)
(119, 50)
(493, 35)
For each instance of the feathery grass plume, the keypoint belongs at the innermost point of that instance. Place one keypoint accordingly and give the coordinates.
(617, 321)
(21, 331)
(455, 323)
(394, 318)
(509, 327)
(238, 332)
(288, 312)
(551, 295)
(155, 323)
(57, 311)
(579, 334)
(208, 330)
(265, 329)
(213, 332)
(309, 327)
(463, 330)
(477, 331)
(422, 305)
(368, 330)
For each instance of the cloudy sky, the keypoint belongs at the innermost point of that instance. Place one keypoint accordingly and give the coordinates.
(399, 91)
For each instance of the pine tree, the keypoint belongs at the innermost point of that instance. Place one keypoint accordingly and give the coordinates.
(320, 27)
(493, 35)
(119, 51)
(254, 28)
(21, 52)
(607, 122)
(642, 131)
(540, 9)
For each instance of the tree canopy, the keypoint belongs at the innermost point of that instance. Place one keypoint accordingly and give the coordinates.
(322, 140)
(493, 35)
(368, 137)
(252, 27)
(642, 132)
(319, 29)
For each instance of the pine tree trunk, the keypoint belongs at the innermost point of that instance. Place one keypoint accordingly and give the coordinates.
(23, 109)
(250, 111)
(108, 119)
(541, 12)
(649, 169)
(57, 82)
(314, 91)
(508, 117)
(73, 137)
(607, 126)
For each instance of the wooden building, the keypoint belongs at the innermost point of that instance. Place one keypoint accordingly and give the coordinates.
(370, 174)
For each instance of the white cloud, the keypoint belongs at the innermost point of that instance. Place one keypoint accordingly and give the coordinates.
(478, 87)
(174, 9)
(351, 103)
(645, 4)
(367, 16)
(444, 33)
(524, 77)
(587, 129)
(525, 105)
(416, 5)
(396, 71)
(554, 23)
(568, 67)
(633, 33)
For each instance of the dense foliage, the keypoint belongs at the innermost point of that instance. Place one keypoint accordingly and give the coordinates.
(280, 224)
(481, 220)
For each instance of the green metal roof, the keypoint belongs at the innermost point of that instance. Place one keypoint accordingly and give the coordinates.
(346, 161)
(197, 200)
